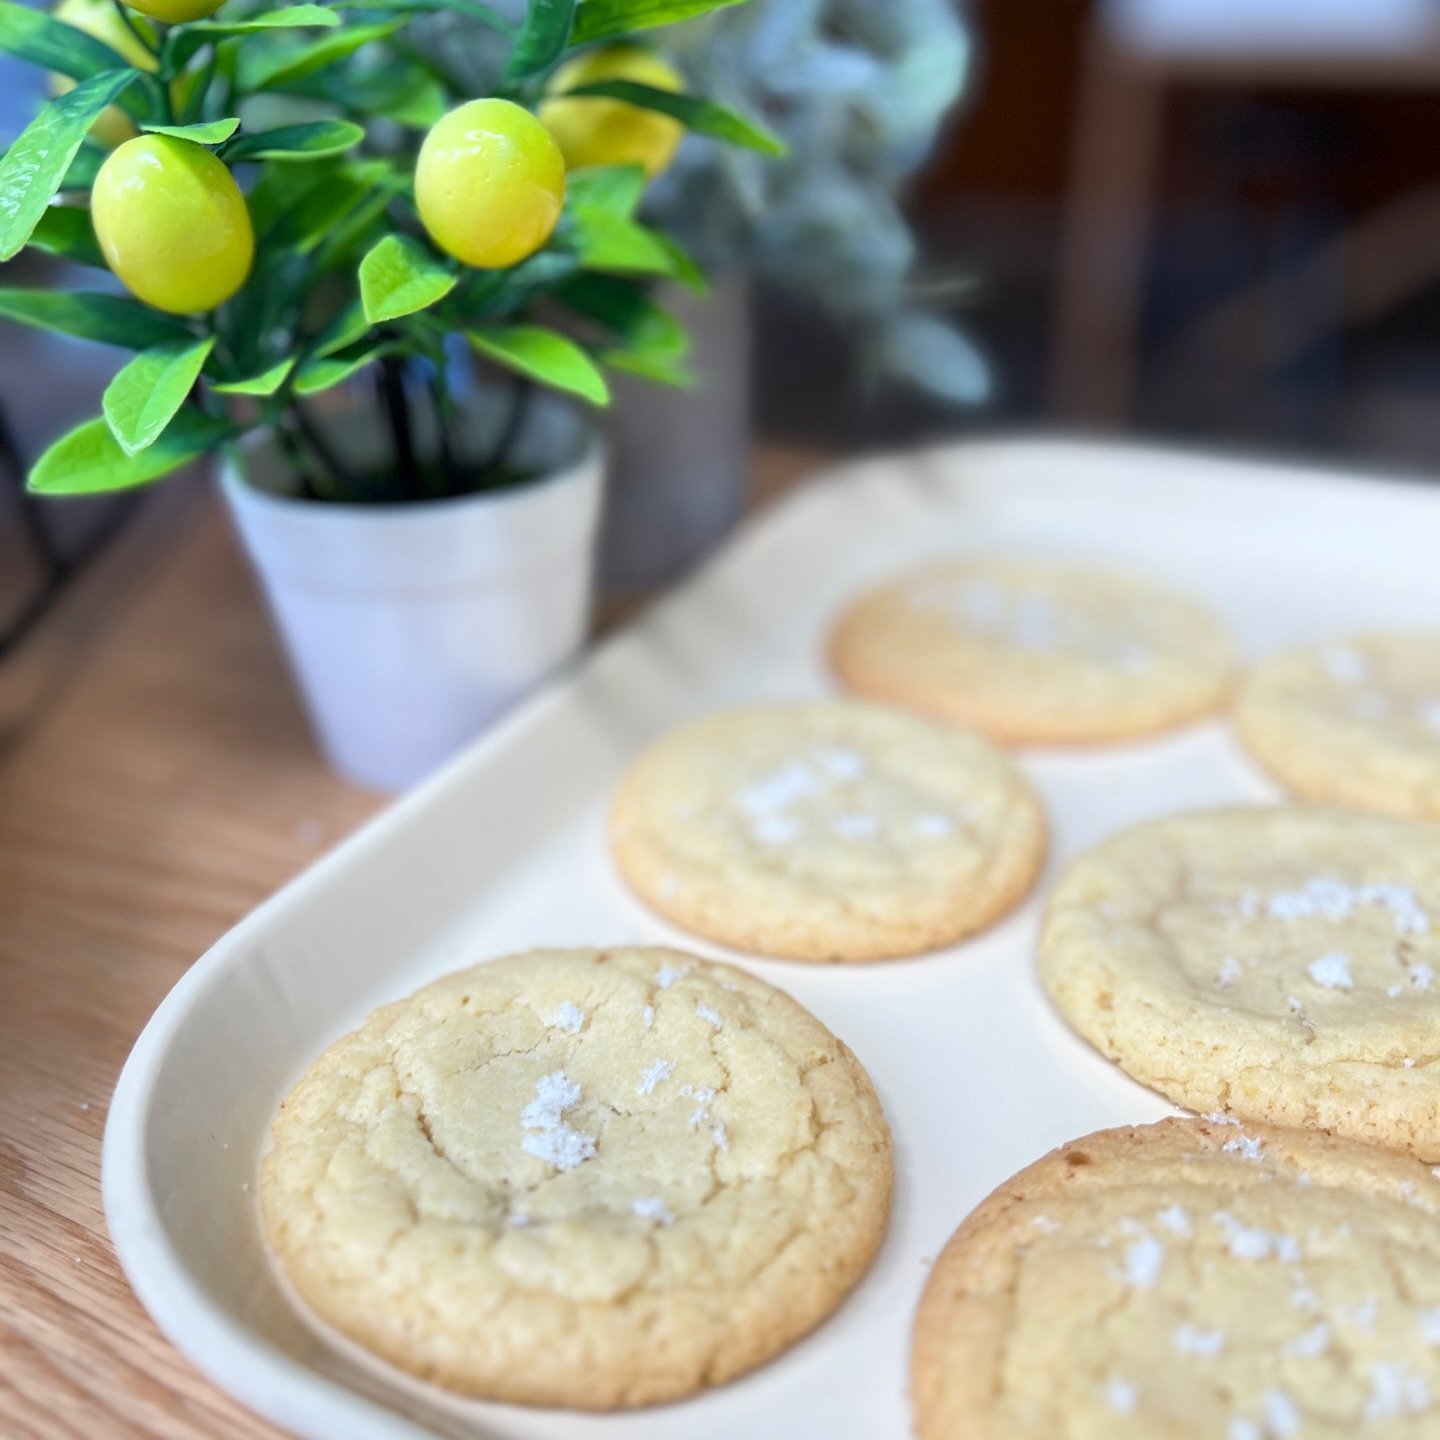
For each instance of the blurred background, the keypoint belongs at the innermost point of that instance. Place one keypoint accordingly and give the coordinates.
(1200, 220)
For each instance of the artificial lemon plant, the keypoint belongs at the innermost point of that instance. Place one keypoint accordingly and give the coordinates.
(294, 197)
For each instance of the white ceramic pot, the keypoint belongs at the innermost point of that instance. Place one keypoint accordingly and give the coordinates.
(411, 626)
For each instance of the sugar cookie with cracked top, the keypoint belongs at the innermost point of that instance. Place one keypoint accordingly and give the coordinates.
(1351, 721)
(586, 1178)
(1035, 650)
(1281, 964)
(827, 830)
(1189, 1281)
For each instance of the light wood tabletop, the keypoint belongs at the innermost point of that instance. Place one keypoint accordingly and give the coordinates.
(156, 782)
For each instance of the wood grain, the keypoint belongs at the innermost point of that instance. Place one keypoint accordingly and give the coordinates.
(157, 782)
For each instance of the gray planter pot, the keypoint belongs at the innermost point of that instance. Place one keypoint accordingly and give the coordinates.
(680, 461)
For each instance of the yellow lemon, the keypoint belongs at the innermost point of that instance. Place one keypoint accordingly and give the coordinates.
(100, 19)
(172, 224)
(175, 12)
(489, 183)
(596, 131)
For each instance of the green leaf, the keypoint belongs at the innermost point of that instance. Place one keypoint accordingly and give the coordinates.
(34, 36)
(84, 167)
(400, 276)
(273, 70)
(212, 132)
(616, 188)
(144, 397)
(626, 311)
(297, 142)
(682, 265)
(542, 355)
(704, 117)
(317, 375)
(604, 19)
(649, 367)
(89, 461)
(65, 230)
(106, 319)
(542, 37)
(471, 8)
(265, 383)
(344, 330)
(185, 40)
(606, 241)
(33, 168)
(292, 17)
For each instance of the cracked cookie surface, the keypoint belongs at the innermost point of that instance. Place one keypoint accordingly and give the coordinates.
(1035, 651)
(1189, 1281)
(1352, 721)
(828, 830)
(1281, 964)
(585, 1178)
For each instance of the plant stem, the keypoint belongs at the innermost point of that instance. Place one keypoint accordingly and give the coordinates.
(347, 482)
(153, 46)
(392, 392)
(290, 448)
(444, 412)
(519, 403)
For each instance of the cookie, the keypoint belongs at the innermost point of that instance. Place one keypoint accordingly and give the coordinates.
(1031, 650)
(827, 831)
(1282, 964)
(585, 1178)
(1354, 721)
(1189, 1281)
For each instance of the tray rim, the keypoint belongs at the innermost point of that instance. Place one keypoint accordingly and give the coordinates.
(307, 1401)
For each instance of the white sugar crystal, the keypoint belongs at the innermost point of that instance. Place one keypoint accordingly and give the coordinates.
(1191, 1340)
(1292, 1003)
(933, 826)
(1248, 1243)
(1242, 1428)
(1248, 903)
(652, 1076)
(1408, 1062)
(1302, 1297)
(1045, 1225)
(1361, 1316)
(1429, 712)
(1230, 970)
(1331, 900)
(554, 1141)
(1247, 1147)
(1219, 1117)
(568, 1017)
(1143, 1259)
(1342, 663)
(840, 762)
(1332, 971)
(517, 1221)
(1121, 1395)
(648, 1016)
(774, 829)
(855, 827)
(1394, 991)
(1282, 1415)
(779, 789)
(1174, 1218)
(1314, 1341)
(707, 1012)
(720, 1135)
(1421, 976)
(667, 975)
(1430, 1324)
(1395, 1389)
(651, 1207)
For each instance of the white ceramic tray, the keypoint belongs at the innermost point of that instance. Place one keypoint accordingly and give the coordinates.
(504, 850)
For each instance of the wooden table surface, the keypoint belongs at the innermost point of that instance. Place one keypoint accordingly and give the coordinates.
(156, 782)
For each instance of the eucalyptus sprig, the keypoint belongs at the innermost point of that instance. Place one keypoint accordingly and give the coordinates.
(262, 208)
